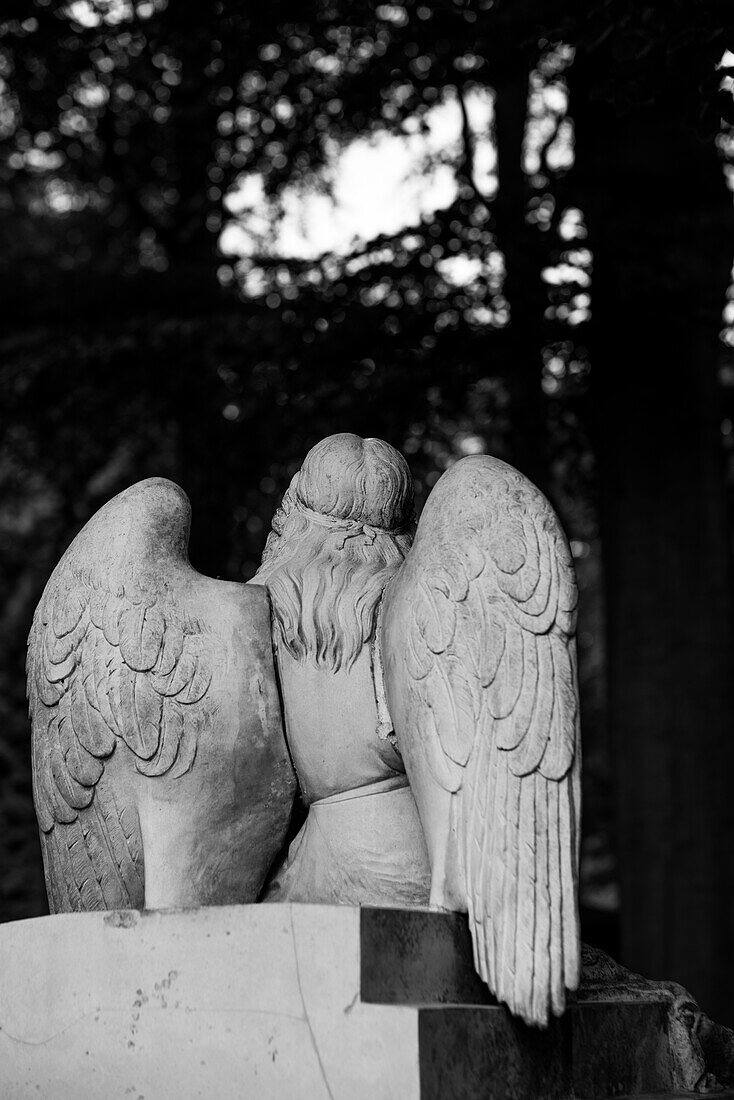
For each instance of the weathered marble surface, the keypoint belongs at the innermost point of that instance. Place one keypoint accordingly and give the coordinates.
(160, 770)
(250, 1001)
(363, 848)
(303, 1001)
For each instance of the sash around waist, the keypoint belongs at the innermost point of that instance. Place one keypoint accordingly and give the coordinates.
(382, 786)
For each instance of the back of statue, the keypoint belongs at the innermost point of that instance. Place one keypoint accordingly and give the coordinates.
(455, 654)
(341, 533)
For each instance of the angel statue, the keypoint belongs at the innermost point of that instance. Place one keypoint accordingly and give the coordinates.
(439, 679)
(429, 703)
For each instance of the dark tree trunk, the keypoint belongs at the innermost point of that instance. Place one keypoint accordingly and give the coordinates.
(660, 228)
(524, 253)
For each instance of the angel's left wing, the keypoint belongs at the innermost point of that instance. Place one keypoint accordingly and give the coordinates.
(160, 771)
(478, 639)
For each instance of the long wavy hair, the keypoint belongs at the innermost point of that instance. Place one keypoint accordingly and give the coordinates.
(344, 527)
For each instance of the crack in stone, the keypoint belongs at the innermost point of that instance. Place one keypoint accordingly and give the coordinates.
(46, 1038)
(151, 1008)
(306, 1016)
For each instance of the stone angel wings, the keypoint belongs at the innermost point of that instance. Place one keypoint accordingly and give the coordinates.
(480, 669)
(160, 773)
(423, 697)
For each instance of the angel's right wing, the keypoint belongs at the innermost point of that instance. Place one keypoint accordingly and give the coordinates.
(480, 670)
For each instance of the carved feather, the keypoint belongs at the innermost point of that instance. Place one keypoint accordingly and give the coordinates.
(83, 766)
(172, 733)
(92, 730)
(496, 654)
(68, 608)
(171, 648)
(141, 632)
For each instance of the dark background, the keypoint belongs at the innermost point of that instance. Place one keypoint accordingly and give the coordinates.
(591, 346)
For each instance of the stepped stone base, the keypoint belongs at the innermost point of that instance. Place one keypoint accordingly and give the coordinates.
(291, 1001)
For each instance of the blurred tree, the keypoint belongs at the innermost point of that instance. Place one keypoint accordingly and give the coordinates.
(646, 104)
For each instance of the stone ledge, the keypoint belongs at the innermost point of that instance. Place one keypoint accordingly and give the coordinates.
(290, 1001)
(597, 1050)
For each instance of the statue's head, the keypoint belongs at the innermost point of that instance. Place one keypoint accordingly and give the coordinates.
(343, 528)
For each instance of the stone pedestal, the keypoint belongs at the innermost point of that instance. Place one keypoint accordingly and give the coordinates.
(291, 1001)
